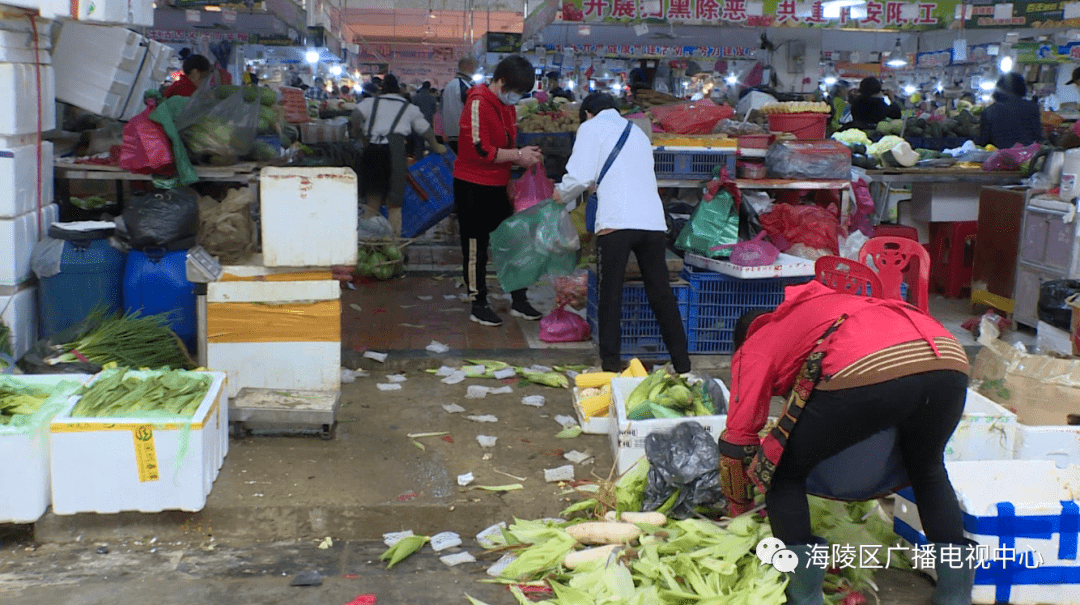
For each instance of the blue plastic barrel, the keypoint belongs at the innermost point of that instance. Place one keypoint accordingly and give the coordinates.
(156, 282)
(91, 276)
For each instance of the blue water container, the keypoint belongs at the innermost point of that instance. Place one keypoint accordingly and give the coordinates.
(91, 276)
(156, 282)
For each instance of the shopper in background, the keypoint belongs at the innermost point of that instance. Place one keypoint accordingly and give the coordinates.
(487, 150)
(317, 91)
(617, 158)
(839, 109)
(854, 366)
(452, 100)
(553, 88)
(428, 105)
(386, 120)
(196, 69)
(1011, 118)
(870, 107)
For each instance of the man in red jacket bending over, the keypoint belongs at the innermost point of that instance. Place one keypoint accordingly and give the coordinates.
(854, 367)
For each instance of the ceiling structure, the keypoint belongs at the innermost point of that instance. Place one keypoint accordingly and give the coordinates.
(427, 27)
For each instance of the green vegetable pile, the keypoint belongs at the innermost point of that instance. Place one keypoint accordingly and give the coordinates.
(550, 377)
(664, 395)
(19, 400)
(381, 260)
(130, 340)
(121, 393)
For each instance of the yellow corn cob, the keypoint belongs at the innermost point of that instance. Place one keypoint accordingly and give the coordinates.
(594, 379)
(597, 405)
(636, 369)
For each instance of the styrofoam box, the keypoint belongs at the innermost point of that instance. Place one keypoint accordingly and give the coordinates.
(312, 366)
(19, 104)
(304, 205)
(17, 238)
(1059, 444)
(597, 425)
(945, 202)
(19, 313)
(18, 179)
(95, 467)
(24, 481)
(17, 42)
(1011, 504)
(121, 12)
(986, 431)
(785, 266)
(628, 436)
(1051, 339)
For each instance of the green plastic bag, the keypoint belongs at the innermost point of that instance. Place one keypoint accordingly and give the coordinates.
(715, 221)
(540, 240)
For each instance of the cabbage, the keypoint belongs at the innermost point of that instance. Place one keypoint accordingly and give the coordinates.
(885, 144)
(853, 136)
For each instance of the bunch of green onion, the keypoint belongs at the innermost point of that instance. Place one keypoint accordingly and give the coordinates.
(129, 340)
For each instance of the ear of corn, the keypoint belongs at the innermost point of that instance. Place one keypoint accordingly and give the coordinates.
(594, 379)
(636, 369)
(597, 405)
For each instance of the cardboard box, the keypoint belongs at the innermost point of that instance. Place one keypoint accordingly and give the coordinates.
(1039, 389)
(1053, 340)
(1074, 325)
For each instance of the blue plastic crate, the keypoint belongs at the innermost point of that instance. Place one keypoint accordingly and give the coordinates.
(641, 335)
(717, 301)
(671, 163)
(422, 210)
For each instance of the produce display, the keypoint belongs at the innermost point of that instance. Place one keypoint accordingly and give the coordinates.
(381, 260)
(556, 121)
(122, 393)
(688, 140)
(646, 98)
(15, 400)
(663, 395)
(794, 107)
(594, 396)
(222, 138)
(962, 124)
(130, 340)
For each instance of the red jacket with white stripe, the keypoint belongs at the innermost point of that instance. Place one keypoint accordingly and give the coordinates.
(487, 125)
(778, 343)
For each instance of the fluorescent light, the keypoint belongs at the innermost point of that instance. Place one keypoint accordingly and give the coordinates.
(897, 58)
(732, 79)
(986, 85)
(212, 8)
(939, 87)
(478, 77)
(1006, 64)
(335, 70)
(829, 81)
(910, 89)
(312, 56)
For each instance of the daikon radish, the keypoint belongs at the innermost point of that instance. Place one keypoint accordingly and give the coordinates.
(604, 532)
(646, 518)
(577, 558)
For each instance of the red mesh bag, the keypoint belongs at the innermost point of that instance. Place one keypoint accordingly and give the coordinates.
(695, 117)
(811, 226)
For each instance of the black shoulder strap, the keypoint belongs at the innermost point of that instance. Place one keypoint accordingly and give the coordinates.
(397, 118)
(371, 119)
(393, 125)
(464, 86)
(615, 152)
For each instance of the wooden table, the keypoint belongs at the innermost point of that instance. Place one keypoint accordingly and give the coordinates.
(910, 176)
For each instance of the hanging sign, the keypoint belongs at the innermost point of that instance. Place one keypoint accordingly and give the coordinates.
(941, 58)
(645, 50)
(540, 18)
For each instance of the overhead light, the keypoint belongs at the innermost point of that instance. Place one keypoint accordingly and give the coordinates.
(986, 85)
(212, 8)
(829, 81)
(312, 56)
(732, 80)
(897, 58)
(1006, 64)
(940, 87)
(335, 70)
(431, 15)
(478, 77)
(910, 89)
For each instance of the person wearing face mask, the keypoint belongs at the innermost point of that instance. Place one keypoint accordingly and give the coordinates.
(486, 152)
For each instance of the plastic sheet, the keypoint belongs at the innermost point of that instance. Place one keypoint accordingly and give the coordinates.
(261, 322)
(46, 258)
(1052, 296)
(531, 244)
(572, 290)
(809, 160)
(686, 458)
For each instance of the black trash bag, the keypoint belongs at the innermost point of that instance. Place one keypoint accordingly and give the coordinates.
(1052, 296)
(749, 222)
(676, 216)
(34, 361)
(685, 458)
(167, 219)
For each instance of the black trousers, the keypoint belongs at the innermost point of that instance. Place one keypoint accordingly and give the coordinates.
(924, 407)
(650, 248)
(480, 210)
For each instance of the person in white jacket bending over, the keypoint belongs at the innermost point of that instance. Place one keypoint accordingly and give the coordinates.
(616, 157)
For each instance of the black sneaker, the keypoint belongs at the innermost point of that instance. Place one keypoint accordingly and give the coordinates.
(524, 310)
(483, 315)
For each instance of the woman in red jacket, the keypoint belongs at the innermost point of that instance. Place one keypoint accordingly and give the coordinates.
(854, 367)
(486, 150)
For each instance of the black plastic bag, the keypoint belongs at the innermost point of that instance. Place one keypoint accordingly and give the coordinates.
(34, 360)
(1052, 296)
(685, 458)
(166, 219)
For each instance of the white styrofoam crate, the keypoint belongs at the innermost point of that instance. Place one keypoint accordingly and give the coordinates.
(785, 266)
(24, 481)
(19, 179)
(95, 467)
(18, 312)
(1051, 339)
(286, 364)
(1060, 444)
(17, 42)
(19, 105)
(299, 204)
(1017, 505)
(120, 12)
(597, 425)
(628, 436)
(17, 238)
(986, 431)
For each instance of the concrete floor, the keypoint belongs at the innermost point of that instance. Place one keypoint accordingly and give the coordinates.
(279, 496)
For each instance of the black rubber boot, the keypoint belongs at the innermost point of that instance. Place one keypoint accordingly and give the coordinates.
(805, 583)
(953, 584)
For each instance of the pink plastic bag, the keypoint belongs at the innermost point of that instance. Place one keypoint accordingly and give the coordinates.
(532, 188)
(754, 253)
(864, 207)
(146, 148)
(1011, 158)
(564, 326)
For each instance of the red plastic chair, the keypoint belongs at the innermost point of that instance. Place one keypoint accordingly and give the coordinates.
(847, 276)
(892, 258)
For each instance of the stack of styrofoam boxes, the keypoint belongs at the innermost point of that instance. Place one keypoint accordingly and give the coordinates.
(276, 323)
(119, 12)
(1023, 515)
(20, 174)
(106, 70)
(102, 465)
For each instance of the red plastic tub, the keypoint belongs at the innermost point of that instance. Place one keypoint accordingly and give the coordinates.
(802, 125)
